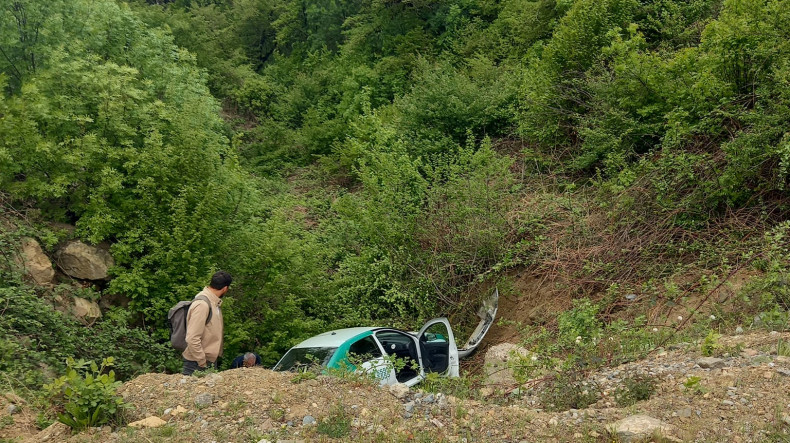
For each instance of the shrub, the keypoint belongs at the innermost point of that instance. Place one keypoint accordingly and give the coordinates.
(710, 345)
(636, 387)
(568, 390)
(580, 321)
(87, 394)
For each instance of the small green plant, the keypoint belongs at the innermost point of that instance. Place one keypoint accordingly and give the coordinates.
(87, 394)
(635, 388)
(301, 376)
(783, 348)
(461, 387)
(710, 345)
(6, 421)
(204, 373)
(579, 323)
(568, 391)
(337, 424)
(42, 421)
(693, 385)
(277, 414)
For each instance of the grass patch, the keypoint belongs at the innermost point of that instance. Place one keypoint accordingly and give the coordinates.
(337, 424)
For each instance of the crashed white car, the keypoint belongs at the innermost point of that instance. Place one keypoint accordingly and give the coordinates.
(374, 349)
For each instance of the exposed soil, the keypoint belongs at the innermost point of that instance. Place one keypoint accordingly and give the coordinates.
(742, 400)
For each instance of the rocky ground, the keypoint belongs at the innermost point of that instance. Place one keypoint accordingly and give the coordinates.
(738, 398)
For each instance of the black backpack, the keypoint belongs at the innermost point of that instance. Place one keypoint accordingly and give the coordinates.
(177, 321)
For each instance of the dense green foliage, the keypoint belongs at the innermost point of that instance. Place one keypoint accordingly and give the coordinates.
(370, 162)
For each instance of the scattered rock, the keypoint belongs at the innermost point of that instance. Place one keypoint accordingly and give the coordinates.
(409, 407)
(56, 432)
(204, 399)
(710, 363)
(684, 413)
(638, 427)
(496, 362)
(783, 372)
(738, 330)
(85, 310)
(429, 398)
(727, 402)
(35, 262)
(83, 261)
(400, 391)
(212, 379)
(308, 420)
(13, 409)
(148, 422)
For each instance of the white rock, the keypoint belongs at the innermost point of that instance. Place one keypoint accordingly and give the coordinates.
(36, 264)
(148, 422)
(85, 310)
(638, 427)
(399, 390)
(497, 362)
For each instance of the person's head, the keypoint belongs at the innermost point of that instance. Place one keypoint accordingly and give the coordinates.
(249, 360)
(220, 282)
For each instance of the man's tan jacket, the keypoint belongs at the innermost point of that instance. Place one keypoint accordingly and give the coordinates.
(204, 340)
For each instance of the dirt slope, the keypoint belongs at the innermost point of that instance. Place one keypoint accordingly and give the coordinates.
(743, 400)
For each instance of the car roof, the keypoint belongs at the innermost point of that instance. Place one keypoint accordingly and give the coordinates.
(333, 339)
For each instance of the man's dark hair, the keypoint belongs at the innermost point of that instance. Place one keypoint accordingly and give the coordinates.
(220, 279)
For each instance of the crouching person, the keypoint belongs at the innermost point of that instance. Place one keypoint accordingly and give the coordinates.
(204, 338)
(247, 360)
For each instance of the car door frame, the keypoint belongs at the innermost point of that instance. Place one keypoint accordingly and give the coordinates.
(453, 367)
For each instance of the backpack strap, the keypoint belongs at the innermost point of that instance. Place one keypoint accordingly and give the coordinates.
(208, 302)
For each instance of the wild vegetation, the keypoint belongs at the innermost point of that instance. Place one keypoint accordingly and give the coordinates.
(377, 162)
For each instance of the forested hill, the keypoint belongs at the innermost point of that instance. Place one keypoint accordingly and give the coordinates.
(383, 162)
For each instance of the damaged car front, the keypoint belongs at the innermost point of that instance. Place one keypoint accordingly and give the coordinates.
(389, 354)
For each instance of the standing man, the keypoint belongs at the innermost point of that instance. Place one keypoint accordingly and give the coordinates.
(204, 339)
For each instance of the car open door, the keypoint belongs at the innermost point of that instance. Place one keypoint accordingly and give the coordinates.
(487, 314)
(438, 351)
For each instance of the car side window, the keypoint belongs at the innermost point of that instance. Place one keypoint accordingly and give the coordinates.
(365, 346)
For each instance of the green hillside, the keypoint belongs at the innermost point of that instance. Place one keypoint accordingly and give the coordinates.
(383, 162)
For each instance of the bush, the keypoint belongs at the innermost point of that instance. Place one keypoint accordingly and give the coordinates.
(568, 390)
(635, 388)
(580, 321)
(87, 394)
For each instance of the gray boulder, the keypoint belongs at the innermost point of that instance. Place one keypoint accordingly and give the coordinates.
(85, 262)
(710, 363)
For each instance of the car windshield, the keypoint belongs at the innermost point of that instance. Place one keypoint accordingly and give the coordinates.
(298, 357)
